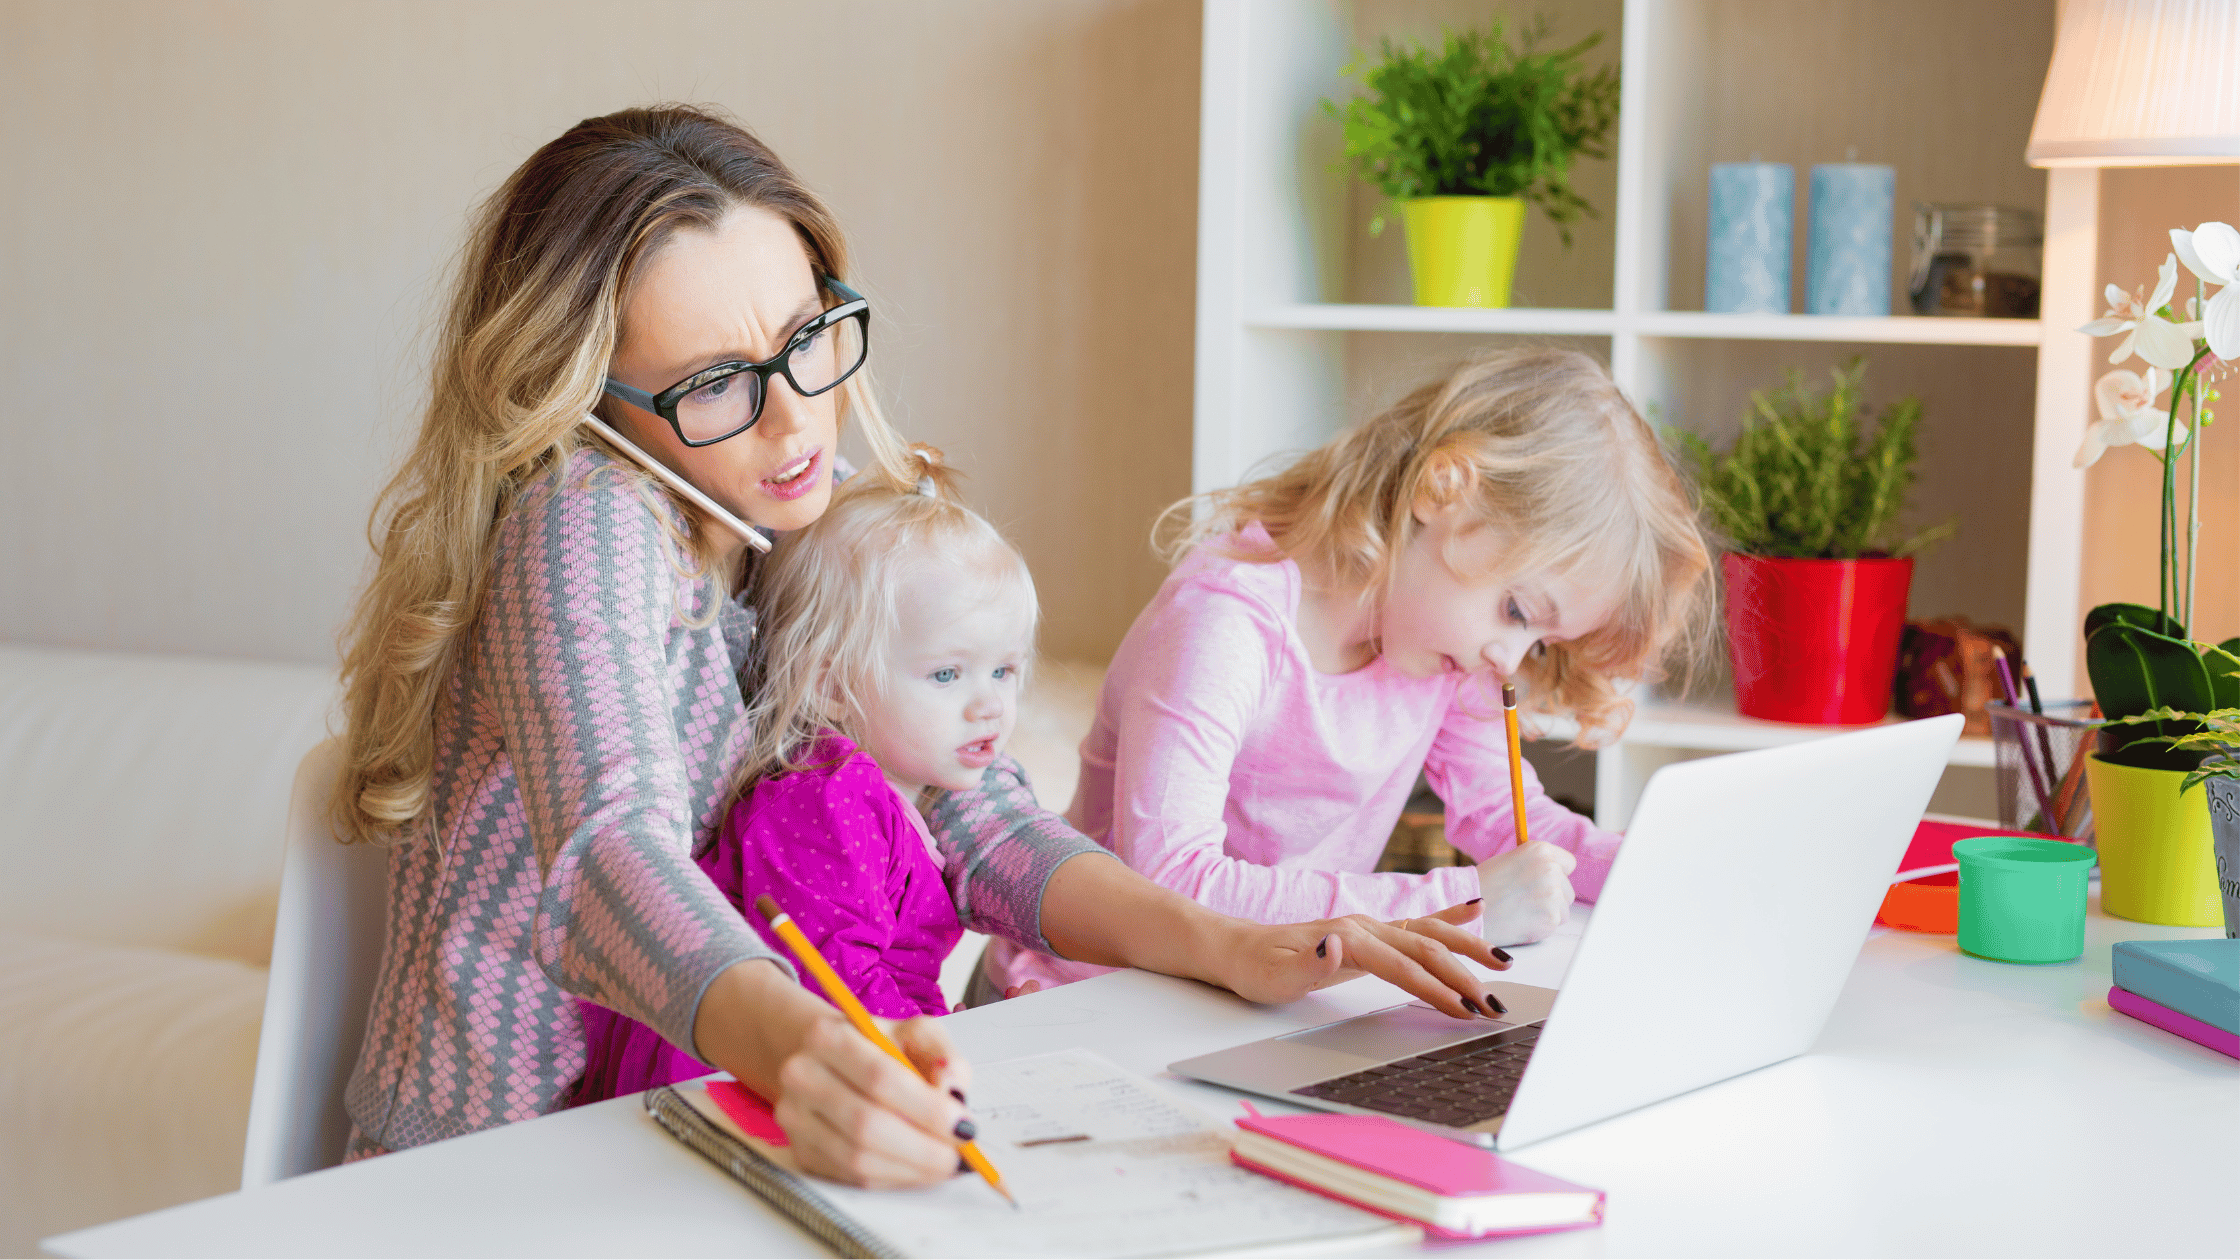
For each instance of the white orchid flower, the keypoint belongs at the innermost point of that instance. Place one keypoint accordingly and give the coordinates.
(2212, 252)
(2128, 415)
(2161, 343)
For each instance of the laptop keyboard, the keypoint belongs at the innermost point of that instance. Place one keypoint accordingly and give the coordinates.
(1455, 1085)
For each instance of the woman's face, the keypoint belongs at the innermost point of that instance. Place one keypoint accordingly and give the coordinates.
(737, 293)
(1441, 620)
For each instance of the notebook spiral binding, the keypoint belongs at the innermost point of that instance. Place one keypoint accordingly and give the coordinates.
(784, 1191)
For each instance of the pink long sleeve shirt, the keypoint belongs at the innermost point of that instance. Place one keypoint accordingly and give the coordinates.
(1224, 766)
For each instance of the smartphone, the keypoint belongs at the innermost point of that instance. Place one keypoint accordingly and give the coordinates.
(668, 477)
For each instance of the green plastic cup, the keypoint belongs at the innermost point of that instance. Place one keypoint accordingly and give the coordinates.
(2022, 899)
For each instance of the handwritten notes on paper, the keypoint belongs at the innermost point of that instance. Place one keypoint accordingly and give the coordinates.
(1102, 1163)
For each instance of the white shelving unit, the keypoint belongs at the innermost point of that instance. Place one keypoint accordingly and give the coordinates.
(1287, 349)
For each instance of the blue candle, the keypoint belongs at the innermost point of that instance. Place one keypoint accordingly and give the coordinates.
(1752, 218)
(1847, 270)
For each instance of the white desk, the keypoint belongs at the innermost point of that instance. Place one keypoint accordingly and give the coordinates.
(1952, 1107)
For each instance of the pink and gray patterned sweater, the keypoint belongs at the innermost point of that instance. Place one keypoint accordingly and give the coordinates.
(583, 752)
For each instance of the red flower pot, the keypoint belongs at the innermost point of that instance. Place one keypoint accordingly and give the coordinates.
(1815, 640)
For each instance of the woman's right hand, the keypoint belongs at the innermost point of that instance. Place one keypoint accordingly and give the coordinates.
(855, 1115)
(1525, 893)
(851, 1112)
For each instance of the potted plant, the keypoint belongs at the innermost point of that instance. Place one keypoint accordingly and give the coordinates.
(2215, 736)
(2156, 860)
(1463, 138)
(1816, 568)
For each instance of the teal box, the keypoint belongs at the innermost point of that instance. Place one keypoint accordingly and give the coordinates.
(2197, 978)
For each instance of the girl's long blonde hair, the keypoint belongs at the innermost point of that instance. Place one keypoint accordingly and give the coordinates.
(826, 599)
(1545, 449)
(523, 350)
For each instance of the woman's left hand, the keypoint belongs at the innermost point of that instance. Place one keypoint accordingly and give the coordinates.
(1285, 962)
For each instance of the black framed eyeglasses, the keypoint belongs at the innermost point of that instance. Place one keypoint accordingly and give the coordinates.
(724, 401)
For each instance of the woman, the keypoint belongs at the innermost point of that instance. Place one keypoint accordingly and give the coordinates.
(541, 680)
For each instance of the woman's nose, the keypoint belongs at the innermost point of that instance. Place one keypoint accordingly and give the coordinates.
(784, 411)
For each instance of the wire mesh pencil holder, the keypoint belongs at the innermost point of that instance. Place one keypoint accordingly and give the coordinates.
(2040, 767)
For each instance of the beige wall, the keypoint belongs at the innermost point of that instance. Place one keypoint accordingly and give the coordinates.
(223, 227)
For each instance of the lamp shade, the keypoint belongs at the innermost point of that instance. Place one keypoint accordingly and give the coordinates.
(2141, 83)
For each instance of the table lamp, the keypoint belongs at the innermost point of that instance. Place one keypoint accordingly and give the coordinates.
(2141, 83)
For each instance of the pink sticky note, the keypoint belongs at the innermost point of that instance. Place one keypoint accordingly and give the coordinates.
(748, 1111)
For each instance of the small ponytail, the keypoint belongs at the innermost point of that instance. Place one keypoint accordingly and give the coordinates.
(927, 473)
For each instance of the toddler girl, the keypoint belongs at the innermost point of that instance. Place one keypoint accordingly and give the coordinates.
(892, 638)
(1338, 627)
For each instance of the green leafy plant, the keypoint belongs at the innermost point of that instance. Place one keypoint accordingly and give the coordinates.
(1480, 118)
(2146, 672)
(1805, 479)
(2203, 739)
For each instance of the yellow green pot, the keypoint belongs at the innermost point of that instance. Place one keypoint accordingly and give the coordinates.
(1462, 251)
(2157, 862)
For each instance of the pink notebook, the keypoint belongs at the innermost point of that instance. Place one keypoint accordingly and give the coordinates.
(1407, 1166)
(2167, 1020)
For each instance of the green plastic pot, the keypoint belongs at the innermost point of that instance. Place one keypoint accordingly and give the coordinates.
(1462, 251)
(2022, 899)
(2157, 860)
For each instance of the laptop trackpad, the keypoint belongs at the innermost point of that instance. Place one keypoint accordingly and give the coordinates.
(1395, 1033)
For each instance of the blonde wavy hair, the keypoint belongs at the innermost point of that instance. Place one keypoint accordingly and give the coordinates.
(827, 602)
(1546, 451)
(533, 321)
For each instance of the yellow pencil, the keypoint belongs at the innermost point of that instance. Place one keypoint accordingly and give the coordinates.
(1516, 760)
(837, 990)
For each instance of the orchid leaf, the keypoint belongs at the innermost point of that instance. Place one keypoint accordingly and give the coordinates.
(2137, 667)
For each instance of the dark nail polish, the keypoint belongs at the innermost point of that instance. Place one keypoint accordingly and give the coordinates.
(1472, 1003)
(1473, 901)
(1322, 948)
(1495, 1003)
(957, 1094)
(1499, 953)
(966, 1130)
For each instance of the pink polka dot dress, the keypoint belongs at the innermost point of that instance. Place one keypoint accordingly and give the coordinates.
(840, 850)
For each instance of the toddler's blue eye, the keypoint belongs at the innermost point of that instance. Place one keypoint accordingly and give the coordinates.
(945, 674)
(1004, 671)
(1516, 613)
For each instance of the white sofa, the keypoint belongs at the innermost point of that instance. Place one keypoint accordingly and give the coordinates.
(142, 801)
(142, 807)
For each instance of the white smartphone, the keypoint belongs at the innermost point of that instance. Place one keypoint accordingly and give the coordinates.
(668, 477)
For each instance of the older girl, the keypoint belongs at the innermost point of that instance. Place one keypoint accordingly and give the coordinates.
(543, 703)
(1345, 624)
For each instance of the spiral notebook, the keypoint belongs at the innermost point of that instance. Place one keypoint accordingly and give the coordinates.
(1102, 1162)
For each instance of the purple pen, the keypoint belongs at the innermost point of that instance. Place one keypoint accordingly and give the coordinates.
(2022, 745)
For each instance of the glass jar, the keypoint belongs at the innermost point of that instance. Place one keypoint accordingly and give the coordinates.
(1975, 260)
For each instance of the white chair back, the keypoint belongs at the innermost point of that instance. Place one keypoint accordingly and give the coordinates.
(326, 949)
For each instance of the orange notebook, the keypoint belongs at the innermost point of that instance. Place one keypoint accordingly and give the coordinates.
(1454, 1191)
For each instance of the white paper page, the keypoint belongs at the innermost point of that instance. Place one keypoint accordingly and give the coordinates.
(1143, 1175)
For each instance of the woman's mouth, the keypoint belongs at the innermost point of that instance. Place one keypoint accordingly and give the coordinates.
(979, 754)
(797, 478)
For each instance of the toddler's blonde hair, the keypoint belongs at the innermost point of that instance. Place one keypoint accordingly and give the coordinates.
(826, 603)
(1546, 450)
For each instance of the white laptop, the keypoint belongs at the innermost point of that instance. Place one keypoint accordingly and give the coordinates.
(1746, 885)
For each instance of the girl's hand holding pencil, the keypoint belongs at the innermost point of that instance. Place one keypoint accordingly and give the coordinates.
(1526, 891)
